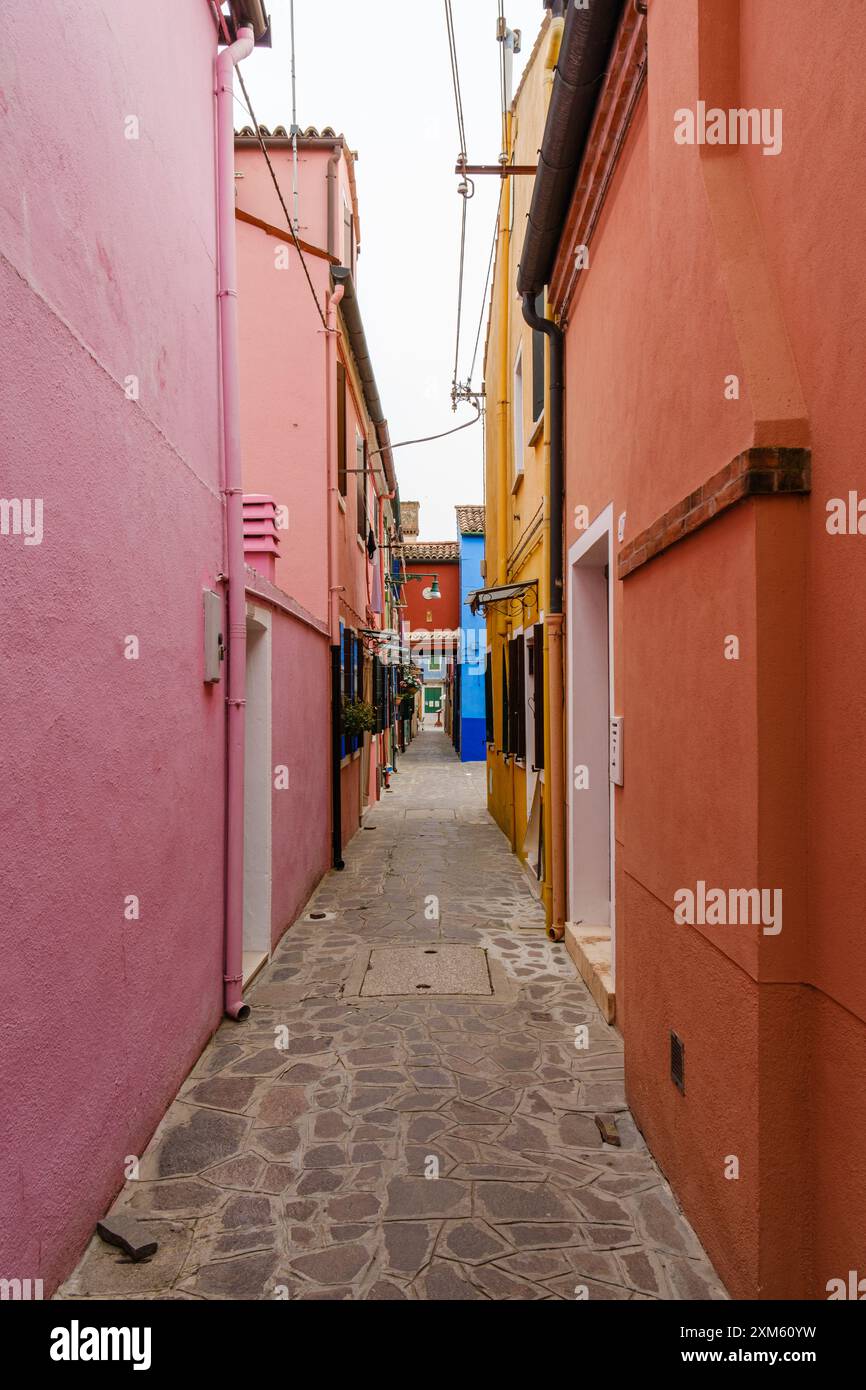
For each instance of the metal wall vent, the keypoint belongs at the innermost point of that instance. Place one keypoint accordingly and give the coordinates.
(678, 1062)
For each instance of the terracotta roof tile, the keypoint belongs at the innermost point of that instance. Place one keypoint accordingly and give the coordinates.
(431, 550)
(470, 521)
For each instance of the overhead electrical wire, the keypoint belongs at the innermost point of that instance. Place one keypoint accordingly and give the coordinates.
(459, 295)
(463, 188)
(503, 80)
(428, 438)
(295, 203)
(455, 76)
(484, 297)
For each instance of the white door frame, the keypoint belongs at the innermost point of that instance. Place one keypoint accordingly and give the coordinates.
(601, 527)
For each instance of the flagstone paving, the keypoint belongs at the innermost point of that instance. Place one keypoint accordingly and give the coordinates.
(297, 1159)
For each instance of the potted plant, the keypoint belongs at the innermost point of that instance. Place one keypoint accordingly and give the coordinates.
(359, 717)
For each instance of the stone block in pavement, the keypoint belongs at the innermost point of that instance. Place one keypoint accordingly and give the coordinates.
(426, 1197)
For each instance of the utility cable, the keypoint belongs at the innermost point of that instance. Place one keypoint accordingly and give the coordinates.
(484, 297)
(428, 438)
(295, 202)
(459, 301)
(258, 134)
(455, 76)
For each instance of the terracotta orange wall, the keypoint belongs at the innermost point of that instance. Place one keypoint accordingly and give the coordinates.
(651, 339)
(446, 610)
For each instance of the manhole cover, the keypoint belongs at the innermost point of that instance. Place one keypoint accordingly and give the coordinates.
(425, 970)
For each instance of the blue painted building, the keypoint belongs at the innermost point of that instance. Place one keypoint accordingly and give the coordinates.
(469, 731)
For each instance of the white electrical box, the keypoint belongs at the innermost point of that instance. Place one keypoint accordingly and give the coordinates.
(214, 646)
(616, 749)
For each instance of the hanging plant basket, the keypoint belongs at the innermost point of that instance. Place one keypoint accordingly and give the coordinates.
(359, 717)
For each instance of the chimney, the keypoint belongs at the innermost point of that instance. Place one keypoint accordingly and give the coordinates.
(409, 520)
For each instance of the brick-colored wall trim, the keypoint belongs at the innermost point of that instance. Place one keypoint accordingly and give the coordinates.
(754, 473)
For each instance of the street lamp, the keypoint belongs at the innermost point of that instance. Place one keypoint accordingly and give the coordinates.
(433, 592)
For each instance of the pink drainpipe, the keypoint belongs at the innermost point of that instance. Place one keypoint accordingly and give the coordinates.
(233, 489)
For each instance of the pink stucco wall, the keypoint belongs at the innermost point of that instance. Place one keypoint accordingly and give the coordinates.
(283, 402)
(107, 267)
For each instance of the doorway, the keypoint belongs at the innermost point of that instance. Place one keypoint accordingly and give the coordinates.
(590, 799)
(257, 794)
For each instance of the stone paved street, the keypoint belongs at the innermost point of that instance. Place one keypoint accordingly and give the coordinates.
(299, 1171)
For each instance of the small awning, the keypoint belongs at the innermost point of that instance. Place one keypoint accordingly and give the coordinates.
(482, 598)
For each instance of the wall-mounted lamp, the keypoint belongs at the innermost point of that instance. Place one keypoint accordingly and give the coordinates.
(432, 592)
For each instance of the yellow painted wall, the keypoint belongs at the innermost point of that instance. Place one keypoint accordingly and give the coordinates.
(517, 503)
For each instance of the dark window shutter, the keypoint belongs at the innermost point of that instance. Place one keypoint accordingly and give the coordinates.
(344, 688)
(517, 688)
(513, 694)
(505, 721)
(341, 429)
(521, 697)
(539, 694)
(488, 700)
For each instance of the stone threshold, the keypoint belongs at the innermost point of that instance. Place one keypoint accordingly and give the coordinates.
(253, 962)
(590, 949)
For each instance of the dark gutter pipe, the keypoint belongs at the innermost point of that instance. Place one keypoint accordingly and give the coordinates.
(584, 53)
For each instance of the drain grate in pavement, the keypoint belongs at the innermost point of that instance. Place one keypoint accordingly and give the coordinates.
(426, 970)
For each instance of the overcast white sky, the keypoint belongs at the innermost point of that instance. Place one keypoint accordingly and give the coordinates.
(378, 72)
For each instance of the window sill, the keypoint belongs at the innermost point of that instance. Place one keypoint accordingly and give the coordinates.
(361, 545)
(517, 481)
(537, 430)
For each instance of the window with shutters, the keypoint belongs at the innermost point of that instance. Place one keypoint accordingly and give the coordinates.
(344, 688)
(517, 698)
(342, 475)
(361, 479)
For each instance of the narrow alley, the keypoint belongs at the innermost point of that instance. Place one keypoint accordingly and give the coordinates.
(387, 1145)
(433, 762)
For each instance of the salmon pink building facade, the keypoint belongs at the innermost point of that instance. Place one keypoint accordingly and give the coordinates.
(315, 438)
(710, 308)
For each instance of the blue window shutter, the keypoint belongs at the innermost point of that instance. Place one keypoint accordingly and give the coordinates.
(342, 685)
